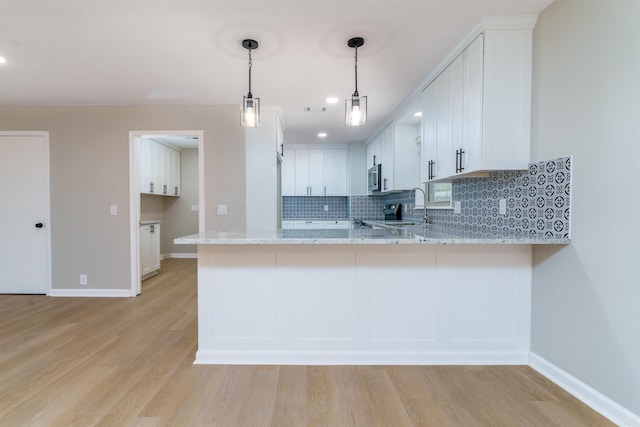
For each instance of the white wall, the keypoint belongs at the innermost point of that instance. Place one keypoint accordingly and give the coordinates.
(358, 169)
(586, 102)
(262, 184)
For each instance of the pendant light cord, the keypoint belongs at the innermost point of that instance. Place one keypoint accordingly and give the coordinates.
(250, 64)
(356, 71)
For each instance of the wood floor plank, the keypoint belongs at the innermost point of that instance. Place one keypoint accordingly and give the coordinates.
(129, 362)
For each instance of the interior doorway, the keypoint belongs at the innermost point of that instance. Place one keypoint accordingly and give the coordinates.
(25, 234)
(147, 202)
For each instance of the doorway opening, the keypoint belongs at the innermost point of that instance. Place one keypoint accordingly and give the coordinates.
(166, 197)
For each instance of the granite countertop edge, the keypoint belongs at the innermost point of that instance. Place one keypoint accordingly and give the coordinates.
(387, 236)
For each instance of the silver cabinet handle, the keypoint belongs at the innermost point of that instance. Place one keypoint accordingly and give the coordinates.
(164, 189)
(153, 228)
(385, 183)
(175, 191)
(151, 187)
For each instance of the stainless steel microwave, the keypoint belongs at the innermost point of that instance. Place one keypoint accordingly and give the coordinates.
(374, 177)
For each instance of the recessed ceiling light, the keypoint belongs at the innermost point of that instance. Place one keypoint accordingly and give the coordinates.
(418, 114)
(322, 135)
(332, 100)
(2, 60)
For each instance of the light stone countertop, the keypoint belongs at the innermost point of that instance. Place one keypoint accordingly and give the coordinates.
(412, 235)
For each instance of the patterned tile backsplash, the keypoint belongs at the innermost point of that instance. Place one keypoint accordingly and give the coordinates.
(367, 207)
(538, 203)
(298, 207)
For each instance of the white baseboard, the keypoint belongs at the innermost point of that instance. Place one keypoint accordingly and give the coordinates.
(91, 293)
(183, 255)
(596, 400)
(213, 357)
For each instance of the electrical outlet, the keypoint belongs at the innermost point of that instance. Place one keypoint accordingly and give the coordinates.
(457, 207)
(326, 208)
(83, 279)
(503, 206)
(113, 209)
(222, 209)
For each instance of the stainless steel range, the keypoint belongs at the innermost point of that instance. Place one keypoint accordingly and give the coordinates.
(392, 212)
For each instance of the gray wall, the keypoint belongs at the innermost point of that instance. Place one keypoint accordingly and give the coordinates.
(89, 152)
(586, 95)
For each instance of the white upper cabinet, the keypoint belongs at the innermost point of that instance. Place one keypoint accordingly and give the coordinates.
(386, 158)
(335, 172)
(477, 111)
(314, 172)
(159, 169)
(395, 150)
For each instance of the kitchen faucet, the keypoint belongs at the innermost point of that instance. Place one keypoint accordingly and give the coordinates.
(424, 195)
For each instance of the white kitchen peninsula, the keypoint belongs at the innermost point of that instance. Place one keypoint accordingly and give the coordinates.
(361, 297)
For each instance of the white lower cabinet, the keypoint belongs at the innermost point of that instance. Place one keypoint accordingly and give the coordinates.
(338, 225)
(364, 304)
(149, 249)
(308, 225)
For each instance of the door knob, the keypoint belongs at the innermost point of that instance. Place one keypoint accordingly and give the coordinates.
(39, 225)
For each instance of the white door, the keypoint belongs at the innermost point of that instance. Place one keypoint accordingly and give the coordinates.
(24, 213)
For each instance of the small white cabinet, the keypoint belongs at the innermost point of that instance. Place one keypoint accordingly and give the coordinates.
(149, 249)
(159, 169)
(394, 149)
(314, 172)
(476, 113)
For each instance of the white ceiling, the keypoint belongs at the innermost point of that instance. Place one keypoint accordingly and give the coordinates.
(179, 52)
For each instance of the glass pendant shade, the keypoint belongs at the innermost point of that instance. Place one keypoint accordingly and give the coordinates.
(355, 110)
(250, 108)
(250, 112)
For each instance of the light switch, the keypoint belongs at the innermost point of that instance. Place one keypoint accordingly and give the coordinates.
(222, 209)
(457, 207)
(195, 208)
(113, 209)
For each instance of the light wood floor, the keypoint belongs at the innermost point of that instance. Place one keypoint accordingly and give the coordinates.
(128, 362)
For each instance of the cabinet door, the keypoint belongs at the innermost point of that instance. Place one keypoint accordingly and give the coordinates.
(308, 225)
(288, 172)
(373, 152)
(147, 157)
(337, 225)
(387, 158)
(472, 114)
(301, 173)
(444, 131)
(429, 167)
(335, 172)
(456, 83)
(155, 246)
(316, 172)
(176, 165)
(149, 248)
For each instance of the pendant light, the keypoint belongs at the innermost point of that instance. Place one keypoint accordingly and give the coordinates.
(250, 106)
(355, 108)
